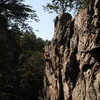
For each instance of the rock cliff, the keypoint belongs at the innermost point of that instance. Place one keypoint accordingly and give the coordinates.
(73, 69)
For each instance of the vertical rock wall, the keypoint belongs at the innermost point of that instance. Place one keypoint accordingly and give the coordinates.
(73, 69)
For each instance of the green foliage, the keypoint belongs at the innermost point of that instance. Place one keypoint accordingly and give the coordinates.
(30, 68)
(25, 79)
(65, 5)
(60, 5)
(16, 13)
(21, 53)
(28, 41)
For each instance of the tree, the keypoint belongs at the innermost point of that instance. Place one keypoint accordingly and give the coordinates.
(65, 5)
(13, 16)
(28, 75)
(22, 79)
(16, 13)
(18, 80)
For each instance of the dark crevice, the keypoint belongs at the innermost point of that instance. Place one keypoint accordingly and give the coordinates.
(66, 39)
(96, 53)
(70, 98)
(63, 40)
(72, 72)
(98, 39)
(71, 32)
(61, 92)
(75, 73)
(86, 67)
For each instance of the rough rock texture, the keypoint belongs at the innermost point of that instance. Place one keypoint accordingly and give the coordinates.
(73, 71)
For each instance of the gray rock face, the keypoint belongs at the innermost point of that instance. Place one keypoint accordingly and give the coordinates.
(73, 71)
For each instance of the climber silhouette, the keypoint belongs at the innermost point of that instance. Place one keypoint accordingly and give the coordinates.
(47, 56)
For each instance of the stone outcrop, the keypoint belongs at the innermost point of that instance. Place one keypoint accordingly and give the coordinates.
(73, 69)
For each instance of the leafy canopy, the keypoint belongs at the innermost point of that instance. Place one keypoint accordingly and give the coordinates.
(65, 5)
(16, 13)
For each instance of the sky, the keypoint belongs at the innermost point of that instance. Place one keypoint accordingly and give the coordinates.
(46, 24)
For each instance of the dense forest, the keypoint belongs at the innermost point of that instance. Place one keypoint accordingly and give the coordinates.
(21, 52)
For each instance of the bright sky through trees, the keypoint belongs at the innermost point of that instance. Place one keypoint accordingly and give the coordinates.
(45, 25)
